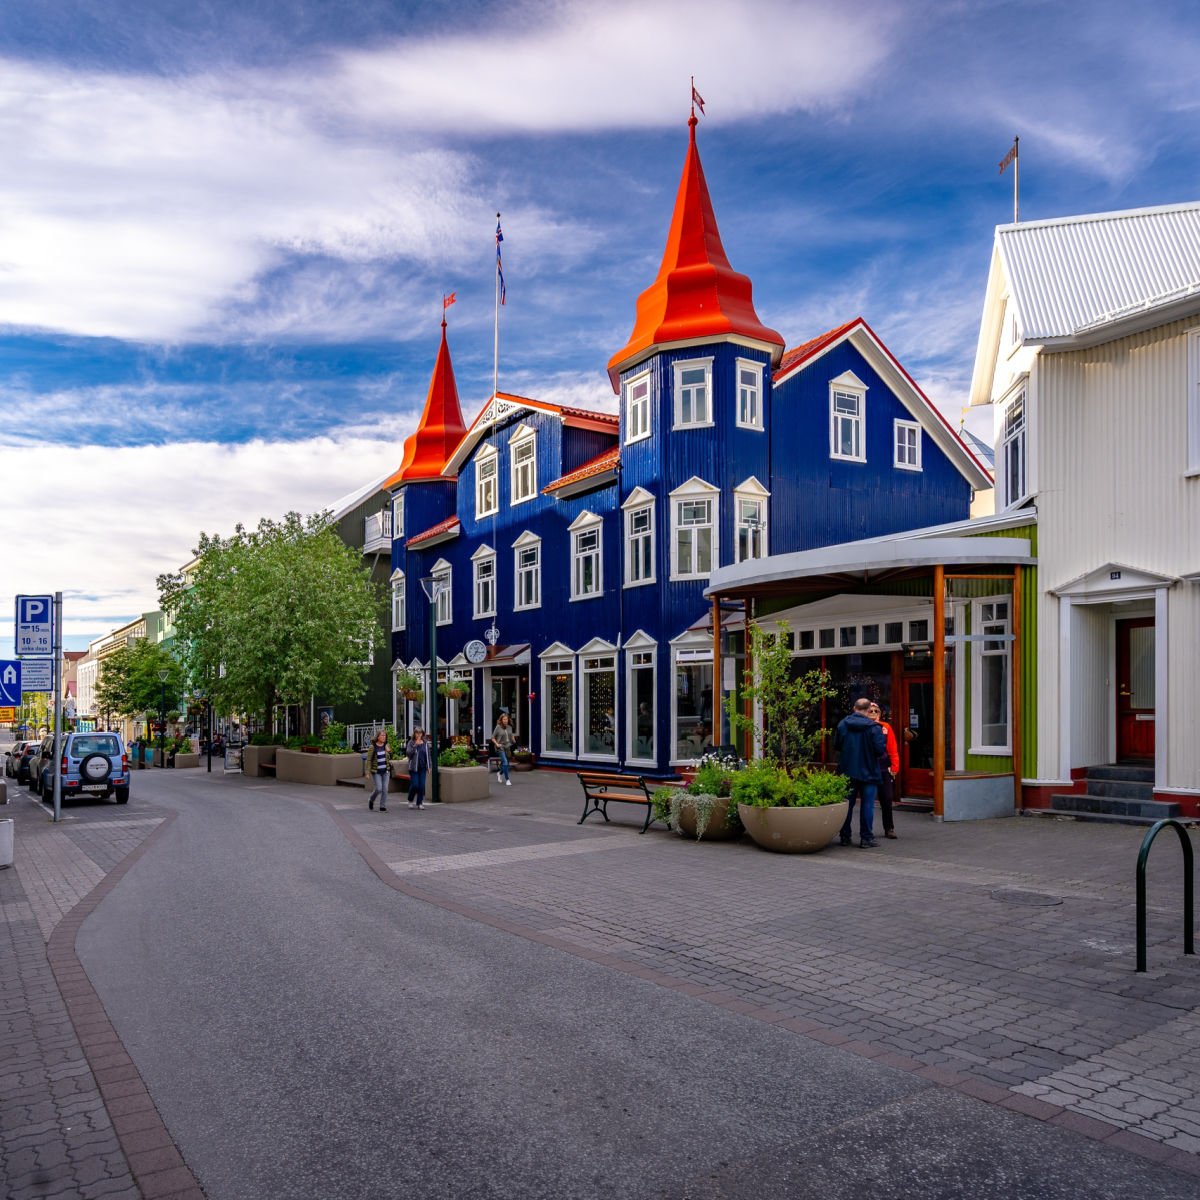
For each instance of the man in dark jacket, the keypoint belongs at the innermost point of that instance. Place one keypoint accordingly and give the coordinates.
(860, 743)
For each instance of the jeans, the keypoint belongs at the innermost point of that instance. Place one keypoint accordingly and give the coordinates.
(381, 786)
(887, 789)
(503, 762)
(416, 788)
(865, 790)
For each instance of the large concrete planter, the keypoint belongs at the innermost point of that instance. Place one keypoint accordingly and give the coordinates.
(294, 766)
(456, 784)
(7, 825)
(253, 758)
(187, 760)
(794, 830)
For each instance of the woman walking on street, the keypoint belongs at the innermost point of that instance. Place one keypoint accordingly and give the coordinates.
(503, 738)
(378, 762)
(419, 763)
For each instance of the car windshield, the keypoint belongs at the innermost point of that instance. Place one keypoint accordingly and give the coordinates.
(95, 744)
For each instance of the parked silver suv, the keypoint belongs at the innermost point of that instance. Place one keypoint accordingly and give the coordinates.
(93, 765)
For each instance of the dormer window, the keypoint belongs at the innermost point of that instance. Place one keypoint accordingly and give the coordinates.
(637, 408)
(693, 393)
(487, 499)
(749, 394)
(523, 449)
(847, 418)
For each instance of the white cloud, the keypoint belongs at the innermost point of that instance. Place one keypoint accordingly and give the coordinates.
(113, 519)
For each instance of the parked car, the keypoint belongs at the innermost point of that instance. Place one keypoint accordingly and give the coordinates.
(12, 756)
(42, 754)
(21, 769)
(93, 765)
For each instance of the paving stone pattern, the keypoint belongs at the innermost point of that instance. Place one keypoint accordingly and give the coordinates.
(73, 1110)
(995, 957)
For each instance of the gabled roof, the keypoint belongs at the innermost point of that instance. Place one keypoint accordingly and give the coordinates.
(885, 363)
(443, 531)
(697, 296)
(440, 429)
(504, 405)
(593, 473)
(1074, 274)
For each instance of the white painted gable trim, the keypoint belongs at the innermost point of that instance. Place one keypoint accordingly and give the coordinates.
(584, 521)
(1100, 584)
(557, 650)
(693, 486)
(484, 551)
(597, 646)
(640, 640)
(637, 498)
(528, 538)
(751, 487)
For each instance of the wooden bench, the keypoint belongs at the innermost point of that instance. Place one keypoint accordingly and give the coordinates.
(601, 788)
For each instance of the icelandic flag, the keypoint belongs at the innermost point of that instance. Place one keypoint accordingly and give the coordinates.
(499, 264)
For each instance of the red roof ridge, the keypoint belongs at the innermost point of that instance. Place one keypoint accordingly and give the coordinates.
(593, 466)
(806, 350)
(697, 294)
(433, 530)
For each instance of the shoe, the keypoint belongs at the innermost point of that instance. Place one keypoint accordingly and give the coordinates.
(889, 833)
(412, 804)
(383, 808)
(869, 844)
(419, 807)
(845, 841)
(371, 804)
(508, 783)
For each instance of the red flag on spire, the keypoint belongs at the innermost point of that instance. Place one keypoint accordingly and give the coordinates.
(449, 300)
(697, 99)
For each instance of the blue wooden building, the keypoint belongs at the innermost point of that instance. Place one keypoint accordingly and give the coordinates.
(573, 547)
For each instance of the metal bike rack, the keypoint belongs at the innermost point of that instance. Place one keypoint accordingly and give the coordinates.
(1189, 946)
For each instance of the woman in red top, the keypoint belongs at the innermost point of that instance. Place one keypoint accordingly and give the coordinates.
(889, 768)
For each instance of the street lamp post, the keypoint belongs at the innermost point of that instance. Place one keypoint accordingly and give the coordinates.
(433, 586)
(163, 676)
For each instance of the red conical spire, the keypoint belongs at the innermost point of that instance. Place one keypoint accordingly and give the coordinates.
(697, 294)
(440, 429)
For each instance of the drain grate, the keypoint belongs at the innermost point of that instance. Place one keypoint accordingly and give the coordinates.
(1028, 899)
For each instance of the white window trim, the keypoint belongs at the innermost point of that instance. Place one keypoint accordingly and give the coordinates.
(676, 396)
(851, 385)
(444, 569)
(751, 489)
(977, 746)
(1193, 403)
(399, 612)
(596, 649)
(584, 523)
(482, 555)
(398, 515)
(488, 455)
(1003, 500)
(897, 425)
(739, 365)
(523, 435)
(527, 541)
(688, 653)
(644, 377)
(636, 501)
(695, 489)
(558, 653)
(640, 643)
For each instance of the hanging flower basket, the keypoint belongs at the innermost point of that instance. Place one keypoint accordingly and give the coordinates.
(409, 685)
(454, 689)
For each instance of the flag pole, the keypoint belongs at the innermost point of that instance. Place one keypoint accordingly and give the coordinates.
(496, 332)
(1016, 179)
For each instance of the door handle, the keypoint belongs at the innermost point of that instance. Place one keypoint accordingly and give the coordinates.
(1124, 693)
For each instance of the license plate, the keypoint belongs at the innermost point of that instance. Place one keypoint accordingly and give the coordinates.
(95, 787)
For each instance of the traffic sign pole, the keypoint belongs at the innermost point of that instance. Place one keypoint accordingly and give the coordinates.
(56, 683)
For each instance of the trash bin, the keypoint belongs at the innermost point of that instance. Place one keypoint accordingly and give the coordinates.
(7, 825)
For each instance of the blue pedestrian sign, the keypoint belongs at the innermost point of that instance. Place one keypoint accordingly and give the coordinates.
(35, 626)
(10, 684)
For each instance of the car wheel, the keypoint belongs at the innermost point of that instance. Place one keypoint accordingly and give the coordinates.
(122, 794)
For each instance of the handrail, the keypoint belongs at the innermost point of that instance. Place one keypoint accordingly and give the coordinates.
(1188, 880)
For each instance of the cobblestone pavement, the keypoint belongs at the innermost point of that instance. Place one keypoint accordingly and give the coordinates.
(75, 1118)
(996, 958)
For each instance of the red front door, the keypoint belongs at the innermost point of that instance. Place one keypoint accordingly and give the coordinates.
(1135, 688)
(913, 723)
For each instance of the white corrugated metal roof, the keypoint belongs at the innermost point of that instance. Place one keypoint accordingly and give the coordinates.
(1078, 273)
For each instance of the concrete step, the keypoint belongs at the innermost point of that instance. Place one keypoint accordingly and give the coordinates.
(1121, 789)
(1111, 806)
(1112, 771)
(1097, 818)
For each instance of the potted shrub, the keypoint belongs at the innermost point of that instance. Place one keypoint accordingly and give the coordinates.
(795, 812)
(309, 760)
(260, 753)
(522, 760)
(409, 685)
(460, 777)
(185, 753)
(704, 808)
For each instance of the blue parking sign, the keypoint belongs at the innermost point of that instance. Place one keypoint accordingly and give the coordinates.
(35, 626)
(10, 684)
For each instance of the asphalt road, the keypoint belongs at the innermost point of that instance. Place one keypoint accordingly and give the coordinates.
(308, 1032)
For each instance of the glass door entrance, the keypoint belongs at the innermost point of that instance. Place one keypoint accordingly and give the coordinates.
(510, 694)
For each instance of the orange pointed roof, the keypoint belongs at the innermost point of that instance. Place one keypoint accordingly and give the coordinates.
(440, 429)
(697, 294)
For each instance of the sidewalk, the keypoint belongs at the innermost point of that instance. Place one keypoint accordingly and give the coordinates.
(75, 1119)
(995, 958)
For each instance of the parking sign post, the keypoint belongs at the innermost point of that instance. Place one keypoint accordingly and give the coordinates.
(56, 673)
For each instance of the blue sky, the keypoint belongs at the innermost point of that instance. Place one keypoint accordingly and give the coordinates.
(225, 227)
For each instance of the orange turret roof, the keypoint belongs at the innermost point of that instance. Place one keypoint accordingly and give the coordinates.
(440, 429)
(697, 296)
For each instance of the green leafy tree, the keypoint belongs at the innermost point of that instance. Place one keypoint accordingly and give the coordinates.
(275, 615)
(131, 683)
(790, 703)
